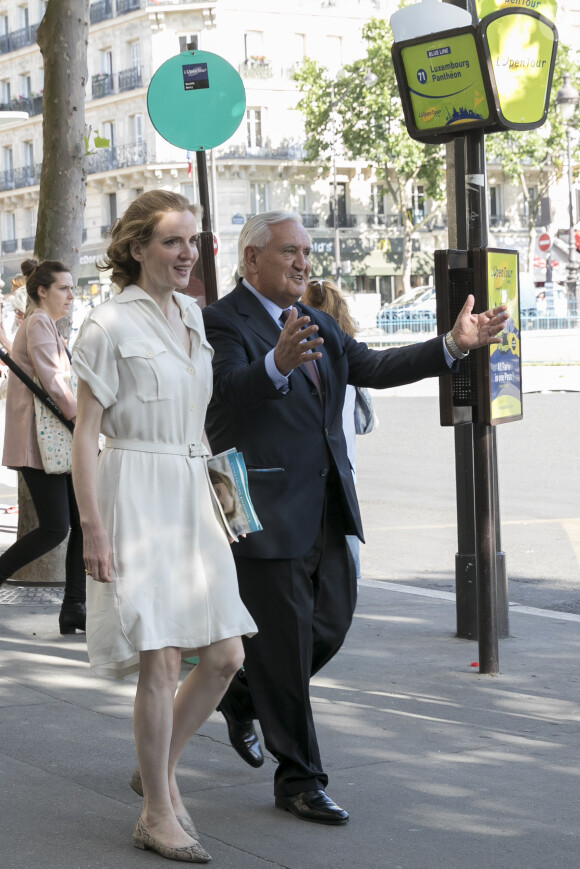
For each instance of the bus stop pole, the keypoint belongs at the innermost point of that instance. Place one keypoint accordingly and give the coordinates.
(484, 453)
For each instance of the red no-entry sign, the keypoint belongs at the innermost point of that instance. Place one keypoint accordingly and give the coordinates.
(544, 242)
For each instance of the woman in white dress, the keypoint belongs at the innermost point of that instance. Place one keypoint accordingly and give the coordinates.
(161, 580)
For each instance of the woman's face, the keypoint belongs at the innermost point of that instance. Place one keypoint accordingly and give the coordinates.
(167, 260)
(58, 297)
(225, 497)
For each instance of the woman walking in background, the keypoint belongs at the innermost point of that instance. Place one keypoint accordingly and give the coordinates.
(40, 351)
(163, 581)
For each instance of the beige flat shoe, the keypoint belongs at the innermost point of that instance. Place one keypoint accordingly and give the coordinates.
(186, 823)
(193, 853)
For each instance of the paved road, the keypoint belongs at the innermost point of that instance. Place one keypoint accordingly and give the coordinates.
(406, 485)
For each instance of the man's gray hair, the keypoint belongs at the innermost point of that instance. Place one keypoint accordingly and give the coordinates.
(256, 232)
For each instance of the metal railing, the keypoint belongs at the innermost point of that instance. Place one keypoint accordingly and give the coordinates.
(18, 38)
(101, 11)
(129, 79)
(118, 157)
(102, 85)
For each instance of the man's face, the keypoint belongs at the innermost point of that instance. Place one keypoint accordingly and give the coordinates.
(280, 270)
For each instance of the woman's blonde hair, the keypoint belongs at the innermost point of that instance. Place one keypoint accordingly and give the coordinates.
(138, 225)
(326, 296)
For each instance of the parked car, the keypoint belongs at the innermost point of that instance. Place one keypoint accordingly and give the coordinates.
(413, 311)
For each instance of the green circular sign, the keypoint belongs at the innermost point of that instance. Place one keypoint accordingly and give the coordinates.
(196, 100)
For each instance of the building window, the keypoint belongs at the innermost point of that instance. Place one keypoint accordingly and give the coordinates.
(334, 52)
(191, 39)
(23, 20)
(108, 132)
(9, 226)
(495, 206)
(24, 85)
(7, 159)
(298, 198)
(30, 222)
(254, 128)
(378, 199)
(418, 203)
(106, 62)
(28, 154)
(112, 207)
(299, 52)
(137, 128)
(5, 91)
(135, 53)
(253, 44)
(258, 196)
(4, 31)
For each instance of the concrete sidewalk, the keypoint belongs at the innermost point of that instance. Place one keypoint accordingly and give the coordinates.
(439, 767)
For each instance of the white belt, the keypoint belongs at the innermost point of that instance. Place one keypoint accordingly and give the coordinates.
(191, 450)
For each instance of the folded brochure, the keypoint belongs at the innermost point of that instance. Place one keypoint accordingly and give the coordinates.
(229, 478)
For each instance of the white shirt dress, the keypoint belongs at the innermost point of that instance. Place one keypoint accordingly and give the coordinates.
(175, 581)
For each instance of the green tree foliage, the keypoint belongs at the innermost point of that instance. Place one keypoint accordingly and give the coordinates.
(370, 126)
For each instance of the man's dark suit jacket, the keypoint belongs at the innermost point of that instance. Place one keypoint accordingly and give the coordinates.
(290, 441)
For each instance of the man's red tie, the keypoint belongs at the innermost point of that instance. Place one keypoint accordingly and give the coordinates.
(310, 365)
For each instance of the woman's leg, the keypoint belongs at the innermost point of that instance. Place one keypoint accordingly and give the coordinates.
(49, 496)
(197, 697)
(76, 581)
(153, 726)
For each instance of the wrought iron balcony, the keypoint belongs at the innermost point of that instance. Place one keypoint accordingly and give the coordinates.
(255, 68)
(10, 245)
(18, 39)
(310, 221)
(105, 159)
(7, 180)
(28, 242)
(129, 79)
(102, 85)
(125, 6)
(344, 220)
(101, 11)
(27, 176)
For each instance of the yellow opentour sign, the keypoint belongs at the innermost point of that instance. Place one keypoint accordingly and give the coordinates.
(547, 8)
(505, 380)
(521, 47)
(495, 76)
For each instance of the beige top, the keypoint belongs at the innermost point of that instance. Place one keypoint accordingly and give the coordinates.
(40, 351)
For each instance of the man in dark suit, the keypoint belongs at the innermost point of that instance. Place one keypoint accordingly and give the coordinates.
(284, 413)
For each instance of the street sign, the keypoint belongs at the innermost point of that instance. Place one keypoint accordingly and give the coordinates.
(196, 100)
(544, 242)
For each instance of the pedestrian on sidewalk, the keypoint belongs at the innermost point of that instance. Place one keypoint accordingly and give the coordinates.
(161, 577)
(280, 374)
(40, 351)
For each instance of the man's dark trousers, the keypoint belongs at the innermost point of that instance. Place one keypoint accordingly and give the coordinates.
(303, 608)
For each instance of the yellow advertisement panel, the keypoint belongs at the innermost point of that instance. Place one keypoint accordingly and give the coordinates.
(505, 377)
(547, 8)
(521, 49)
(445, 83)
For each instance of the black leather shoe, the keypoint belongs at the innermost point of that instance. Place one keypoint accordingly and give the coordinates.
(244, 739)
(313, 806)
(73, 617)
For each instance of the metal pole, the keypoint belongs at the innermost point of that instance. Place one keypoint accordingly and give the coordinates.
(484, 455)
(337, 263)
(206, 236)
(571, 275)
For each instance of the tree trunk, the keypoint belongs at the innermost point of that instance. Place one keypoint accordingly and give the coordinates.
(62, 37)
